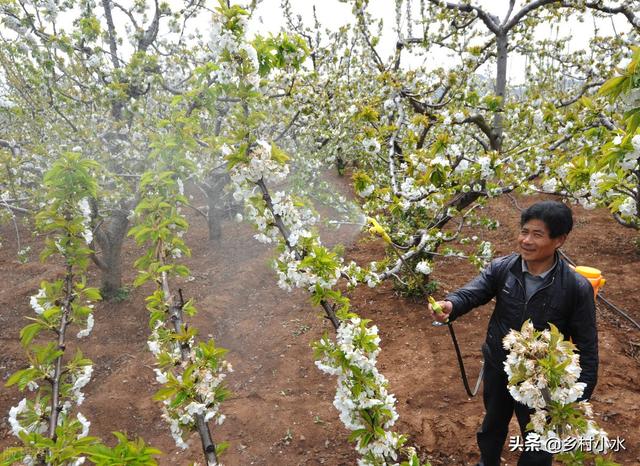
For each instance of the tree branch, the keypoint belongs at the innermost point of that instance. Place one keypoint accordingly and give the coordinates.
(583, 90)
(489, 20)
(113, 44)
(481, 123)
(152, 31)
(624, 9)
(524, 11)
(624, 223)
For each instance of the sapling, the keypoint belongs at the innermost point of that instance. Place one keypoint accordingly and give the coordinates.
(366, 407)
(255, 165)
(49, 432)
(191, 372)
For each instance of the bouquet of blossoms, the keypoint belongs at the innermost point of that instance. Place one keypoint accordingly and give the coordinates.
(543, 370)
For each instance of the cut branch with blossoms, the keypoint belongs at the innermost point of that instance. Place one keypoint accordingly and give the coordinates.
(543, 371)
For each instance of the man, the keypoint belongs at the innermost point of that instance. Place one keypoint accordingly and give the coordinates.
(538, 285)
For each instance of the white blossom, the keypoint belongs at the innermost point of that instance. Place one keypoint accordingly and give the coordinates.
(154, 346)
(628, 207)
(85, 425)
(550, 185)
(14, 412)
(366, 192)
(371, 145)
(85, 210)
(36, 301)
(424, 267)
(82, 379)
(86, 331)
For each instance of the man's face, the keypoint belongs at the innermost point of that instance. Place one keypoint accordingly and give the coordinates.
(535, 243)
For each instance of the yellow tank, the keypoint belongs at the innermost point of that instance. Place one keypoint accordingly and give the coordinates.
(593, 275)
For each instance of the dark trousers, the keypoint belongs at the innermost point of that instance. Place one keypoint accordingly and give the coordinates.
(499, 407)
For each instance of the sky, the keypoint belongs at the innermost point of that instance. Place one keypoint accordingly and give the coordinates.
(333, 14)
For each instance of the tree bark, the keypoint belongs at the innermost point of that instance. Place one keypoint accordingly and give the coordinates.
(500, 89)
(214, 216)
(110, 238)
(214, 189)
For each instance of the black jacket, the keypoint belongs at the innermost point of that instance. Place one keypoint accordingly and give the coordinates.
(565, 299)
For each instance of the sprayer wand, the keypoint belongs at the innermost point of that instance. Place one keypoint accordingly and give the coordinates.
(376, 229)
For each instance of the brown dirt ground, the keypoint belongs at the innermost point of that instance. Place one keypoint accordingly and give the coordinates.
(281, 409)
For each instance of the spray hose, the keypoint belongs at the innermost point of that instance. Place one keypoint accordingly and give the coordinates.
(463, 372)
(376, 229)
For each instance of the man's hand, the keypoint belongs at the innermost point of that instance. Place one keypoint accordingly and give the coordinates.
(442, 314)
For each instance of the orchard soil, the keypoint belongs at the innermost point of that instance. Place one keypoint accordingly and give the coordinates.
(280, 411)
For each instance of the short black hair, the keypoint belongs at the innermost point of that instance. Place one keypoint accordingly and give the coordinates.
(556, 216)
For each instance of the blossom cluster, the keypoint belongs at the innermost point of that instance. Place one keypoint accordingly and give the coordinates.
(191, 372)
(85, 210)
(543, 371)
(261, 166)
(361, 389)
(235, 58)
(293, 274)
(32, 416)
(192, 379)
(206, 382)
(531, 381)
(317, 266)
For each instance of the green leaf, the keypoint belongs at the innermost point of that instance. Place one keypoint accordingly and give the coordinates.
(179, 399)
(613, 87)
(164, 393)
(28, 333)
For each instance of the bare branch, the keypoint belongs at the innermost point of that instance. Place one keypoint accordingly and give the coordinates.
(489, 20)
(607, 123)
(113, 44)
(583, 91)
(624, 223)
(288, 127)
(624, 9)
(365, 34)
(481, 123)
(524, 11)
(151, 33)
(506, 18)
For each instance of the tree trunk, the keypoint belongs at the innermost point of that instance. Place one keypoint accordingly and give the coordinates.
(501, 86)
(214, 216)
(110, 238)
(217, 201)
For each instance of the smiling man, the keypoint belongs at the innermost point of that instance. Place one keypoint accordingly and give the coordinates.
(535, 284)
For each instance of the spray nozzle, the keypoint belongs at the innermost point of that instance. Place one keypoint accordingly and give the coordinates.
(376, 229)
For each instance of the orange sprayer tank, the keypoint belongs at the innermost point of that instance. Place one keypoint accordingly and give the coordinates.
(593, 275)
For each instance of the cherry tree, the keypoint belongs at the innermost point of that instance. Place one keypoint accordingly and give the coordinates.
(94, 75)
(607, 172)
(429, 143)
